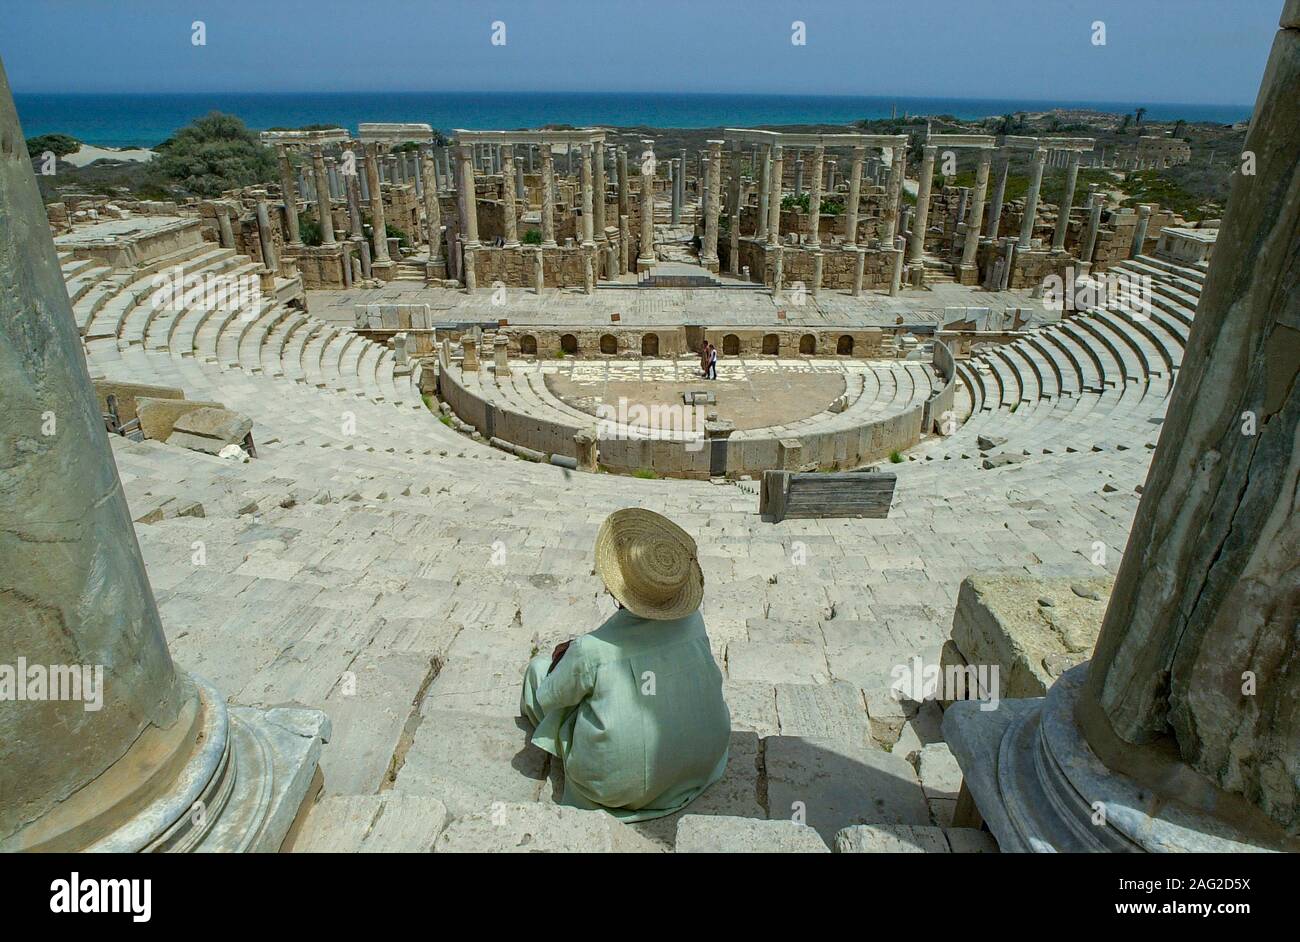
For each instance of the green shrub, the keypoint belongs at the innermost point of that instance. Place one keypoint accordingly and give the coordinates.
(61, 145)
(646, 473)
(895, 457)
(214, 154)
(533, 237)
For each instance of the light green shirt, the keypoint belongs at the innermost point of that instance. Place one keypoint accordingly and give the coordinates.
(635, 712)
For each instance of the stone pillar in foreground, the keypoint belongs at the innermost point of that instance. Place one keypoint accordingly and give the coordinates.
(813, 238)
(1031, 199)
(121, 766)
(919, 224)
(855, 195)
(510, 217)
(1181, 733)
(1063, 216)
(548, 196)
(972, 243)
(324, 211)
(289, 193)
(709, 251)
(645, 258)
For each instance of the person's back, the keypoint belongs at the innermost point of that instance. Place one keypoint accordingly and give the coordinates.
(652, 729)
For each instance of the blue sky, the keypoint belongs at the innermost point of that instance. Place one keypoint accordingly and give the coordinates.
(1198, 51)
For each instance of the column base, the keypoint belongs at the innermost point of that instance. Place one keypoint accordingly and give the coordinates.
(236, 783)
(1040, 788)
(384, 271)
(968, 275)
(644, 264)
(435, 271)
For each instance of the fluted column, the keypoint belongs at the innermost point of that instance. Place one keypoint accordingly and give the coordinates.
(774, 196)
(813, 237)
(1031, 199)
(378, 231)
(510, 217)
(646, 256)
(916, 251)
(289, 192)
(468, 199)
(999, 190)
(976, 219)
(323, 209)
(548, 196)
(1063, 216)
(588, 229)
(598, 190)
(855, 194)
(709, 255)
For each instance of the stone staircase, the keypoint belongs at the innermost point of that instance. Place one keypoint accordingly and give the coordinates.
(375, 564)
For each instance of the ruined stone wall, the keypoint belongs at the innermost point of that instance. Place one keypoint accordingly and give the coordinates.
(516, 267)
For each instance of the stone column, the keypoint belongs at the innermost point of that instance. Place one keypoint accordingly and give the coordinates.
(323, 209)
(646, 256)
(1031, 199)
(521, 191)
(624, 244)
(225, 231)
(859, 266)
(896, 275)
(1095, 205)
(266, 236)
(798, 175)
(432, 211)
(539, 271)
(624, 197)
(855, 194)
(353, 189)
(75, 596)
(468, 200)
(709, 253)
(548, 196)
(734, 243)
(999, 190)
(972, 243)
(588, 230)
(813, 238)
(894, 195)
(921, 220)
(1140, 230)
(510, 217)
(289, 193)
(676, 191)
(1063, 216)
(378, 231)
(1183, 727)
(774, 196)
(735, 189)
(598, 191)
(764, 194)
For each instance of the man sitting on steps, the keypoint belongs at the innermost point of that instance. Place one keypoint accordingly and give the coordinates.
(634, 710)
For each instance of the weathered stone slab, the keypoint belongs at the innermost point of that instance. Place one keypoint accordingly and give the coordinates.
(533, 827)
(210, 429)
(1004, 621)
(970, 841)
(391, 822)
(940, 775)
(836, 785)
(158, 416)
(777, 663)
(707, 834)
(827, 711)
(891, 839)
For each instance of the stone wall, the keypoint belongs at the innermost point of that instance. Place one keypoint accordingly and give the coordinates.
(516, 267)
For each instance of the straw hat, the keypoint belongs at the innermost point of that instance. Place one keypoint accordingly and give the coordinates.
(649, 564)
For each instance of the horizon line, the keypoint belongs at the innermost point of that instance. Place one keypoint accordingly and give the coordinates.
(1059, 101)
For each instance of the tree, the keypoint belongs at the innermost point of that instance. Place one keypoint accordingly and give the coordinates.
(214, 154)
(61, 145)
(1140, 113)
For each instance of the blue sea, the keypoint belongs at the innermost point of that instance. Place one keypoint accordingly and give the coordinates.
(133, 120)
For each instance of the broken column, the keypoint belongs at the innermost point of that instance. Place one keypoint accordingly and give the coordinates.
(437, 265)
(509, 215)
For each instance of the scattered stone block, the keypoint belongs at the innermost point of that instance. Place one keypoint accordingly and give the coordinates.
(158, 416)
(999, 622)
(210, 429)
(940, 775)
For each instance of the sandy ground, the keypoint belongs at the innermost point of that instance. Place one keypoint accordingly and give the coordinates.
(89, 154)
